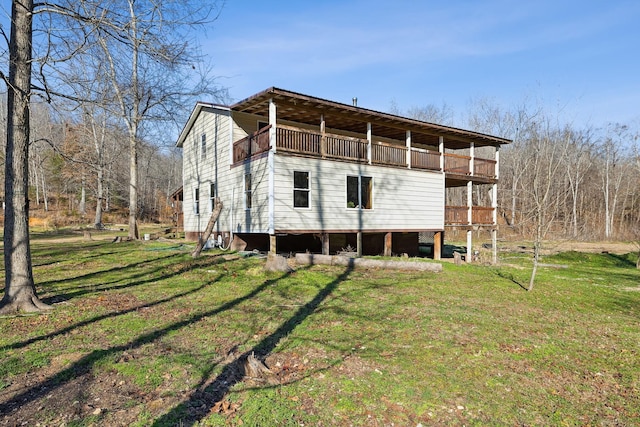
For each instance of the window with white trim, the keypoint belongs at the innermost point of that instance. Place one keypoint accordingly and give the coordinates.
(301, 190)
(196, 201)
(212, 196)
(359, 192)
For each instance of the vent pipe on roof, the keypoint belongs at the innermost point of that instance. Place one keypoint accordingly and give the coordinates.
(355, 101)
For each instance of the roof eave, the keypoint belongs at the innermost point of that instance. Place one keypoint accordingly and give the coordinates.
(200, 105)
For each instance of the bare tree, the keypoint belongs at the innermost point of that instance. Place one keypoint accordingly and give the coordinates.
(545, 158)
(578, 162)
(150, 67)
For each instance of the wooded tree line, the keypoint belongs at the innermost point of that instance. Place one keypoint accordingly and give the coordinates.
(559, 179)
(581, 182)
(79, 169)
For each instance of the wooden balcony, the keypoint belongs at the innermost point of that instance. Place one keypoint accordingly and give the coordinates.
(459, 215)
(251, 145)
(339, 147)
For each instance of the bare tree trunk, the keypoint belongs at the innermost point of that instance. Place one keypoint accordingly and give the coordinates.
(97, 222)
(20, 293)
(536, 255)
(133, 188)
(83, 198)
(207, 232)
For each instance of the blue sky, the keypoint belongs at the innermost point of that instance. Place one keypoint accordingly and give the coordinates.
(581, 59)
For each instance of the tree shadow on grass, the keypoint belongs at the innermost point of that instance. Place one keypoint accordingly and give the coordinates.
(86, 364)
(234, 372)
(510, 277)
(621, 260)
(105, 316)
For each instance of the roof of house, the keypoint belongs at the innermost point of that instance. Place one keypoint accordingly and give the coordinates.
(296, 107)
(308, 109)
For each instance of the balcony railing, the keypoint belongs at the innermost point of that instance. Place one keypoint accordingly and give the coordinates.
(459, 215)
(345, 148)
(384, 154)
(425, 159)
(340, 147)
(251, 145)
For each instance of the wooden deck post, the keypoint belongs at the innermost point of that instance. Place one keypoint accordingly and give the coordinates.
(441, 151)
(438, 238)
(494, 246)
(469, 245)
(388, 240)
(323, 137)
(469, 202)
(369, 141)
(272, 243)
(408, 144)
(325, 243)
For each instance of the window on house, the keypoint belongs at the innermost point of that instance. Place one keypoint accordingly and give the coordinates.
(300, 189)
(247, 191)
(360, 192)
(204, 146)
(212, 196)
(196, 201)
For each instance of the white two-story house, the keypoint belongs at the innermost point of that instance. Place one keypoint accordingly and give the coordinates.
(299, 173)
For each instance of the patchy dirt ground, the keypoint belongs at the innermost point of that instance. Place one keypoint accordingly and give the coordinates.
(34, 400)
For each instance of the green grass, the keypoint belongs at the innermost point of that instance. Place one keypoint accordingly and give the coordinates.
(157, 338)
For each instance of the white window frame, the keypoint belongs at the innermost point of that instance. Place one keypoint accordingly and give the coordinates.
(196, 200)
(308, 190)
(212, 195)
(346, 192)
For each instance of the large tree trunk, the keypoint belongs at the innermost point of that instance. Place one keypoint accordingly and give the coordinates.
(207, 232)
(19, 291)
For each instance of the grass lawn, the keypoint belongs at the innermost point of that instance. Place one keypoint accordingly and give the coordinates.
(142, 334)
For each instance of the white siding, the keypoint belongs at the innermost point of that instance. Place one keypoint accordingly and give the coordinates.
(235, 217)
(202, 172)
(404, 199)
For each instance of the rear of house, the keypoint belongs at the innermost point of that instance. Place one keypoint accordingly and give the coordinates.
(297, 173)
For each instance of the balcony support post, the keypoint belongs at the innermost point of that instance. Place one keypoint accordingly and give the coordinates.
(441, 151)
(271, 169)
(469, 202)
(369, 138)
(494, 246)
(469, 245)
(497, 171)
(472, 155)
(323, 137)
(409, 149)
(494, 203)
